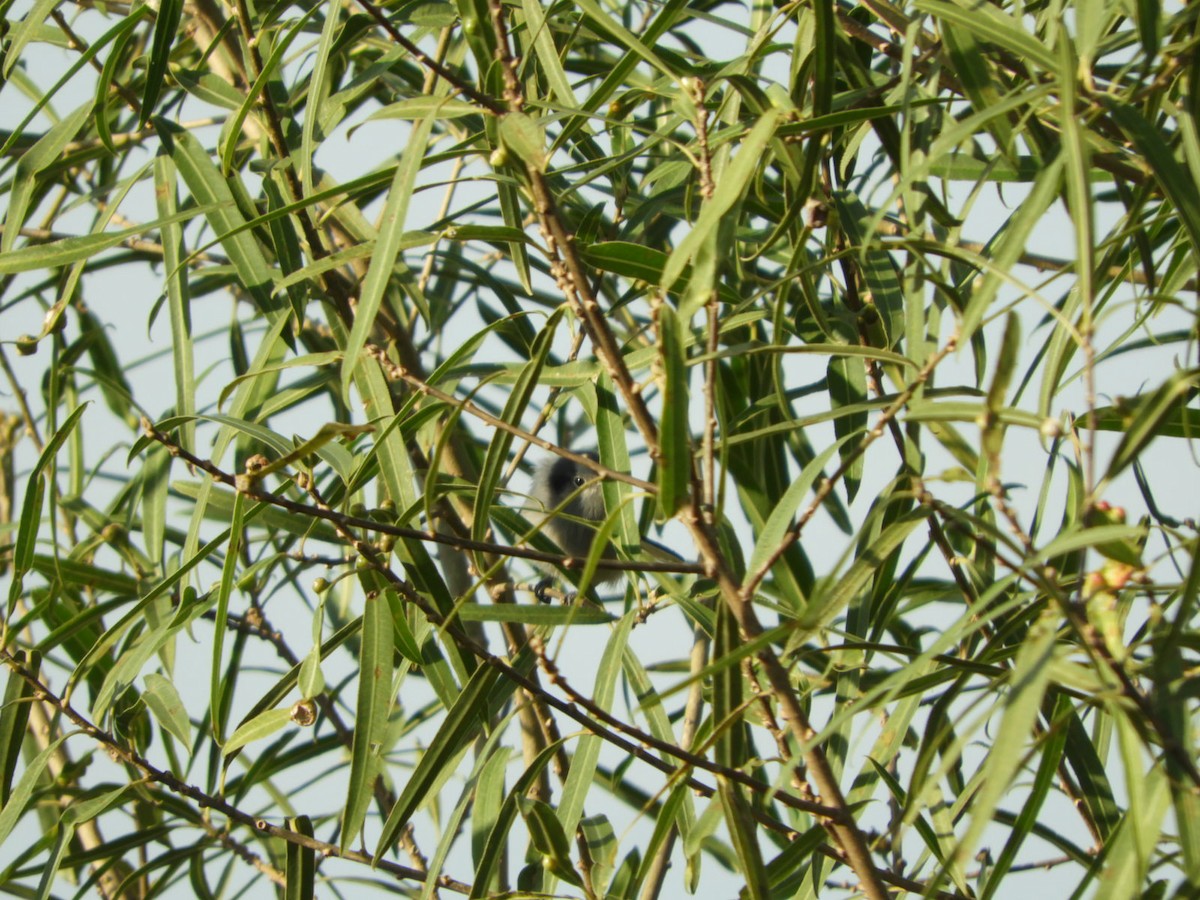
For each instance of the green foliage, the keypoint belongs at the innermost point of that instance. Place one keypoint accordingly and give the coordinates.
(879, 317)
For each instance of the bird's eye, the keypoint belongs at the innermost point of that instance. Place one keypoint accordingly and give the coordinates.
(580, 481)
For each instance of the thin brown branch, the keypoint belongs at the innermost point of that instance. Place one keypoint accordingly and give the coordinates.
(27, 417)
(826, 487)
(75, 42)
(397, 372)
(249, 487)
(461, 85)
(204, 800)
(571, 278)
(687, 757)
(1045, 579)
(345, 524)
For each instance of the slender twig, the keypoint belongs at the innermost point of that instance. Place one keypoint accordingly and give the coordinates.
(249, 487)
(1045, 579)
(461, 85)
(211, 801)
(690, 759)
(825, 488)
(398, 372)
(570, 275)
(346, 525)
(696, 88)
(291, 174)
(713, 312)
(27, 416)
(75, 42)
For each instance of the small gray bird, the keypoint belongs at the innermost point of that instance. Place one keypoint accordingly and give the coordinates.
(554, 481)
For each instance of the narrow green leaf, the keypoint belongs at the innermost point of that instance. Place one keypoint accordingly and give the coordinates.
(616, 32)
(14, 717)
(235, 125)
(886, 305)
(512, 212)
(19, 797)
(581, 777)
(535, 616)
(782, 514)
(1006, 361)
(473, 812)
(130, 663)
(601, 843)
(119, 33)
(1129, 856)
(1172, 177)
(31, 508)
(219, 507)
(731, 749)
(86, 810)
(109, 638)
(546, 55)
(548, 838)
(1049, 760)
(461, 725)
(26, 540)
(1077, 538)
(156, 477)
(682, 807)
(72, 816)
(628, 259)
(217, 684)
(166, 28)
(995, 26)
(317, 95)
(311, 681)
(381, 272)
(301, 863)
(1007, 249)
(330, 431)
(743, 831)
(67, 251)
(1148, 14)
(45, 151)
(1077, 162)
(515, 407)
(1026, 688)
(932, 409)
(22, 32)
(371, 713)
(847, 382)
(667, 16)
(972, 67)
(1149, 412)
(675, 449)
(489, 804)
(426, 106)
(524, 136)
(261, 726)
(827, 604)
(730, 189)
(168, 708)
(497, 838)
(211, 191)
(663, 824)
